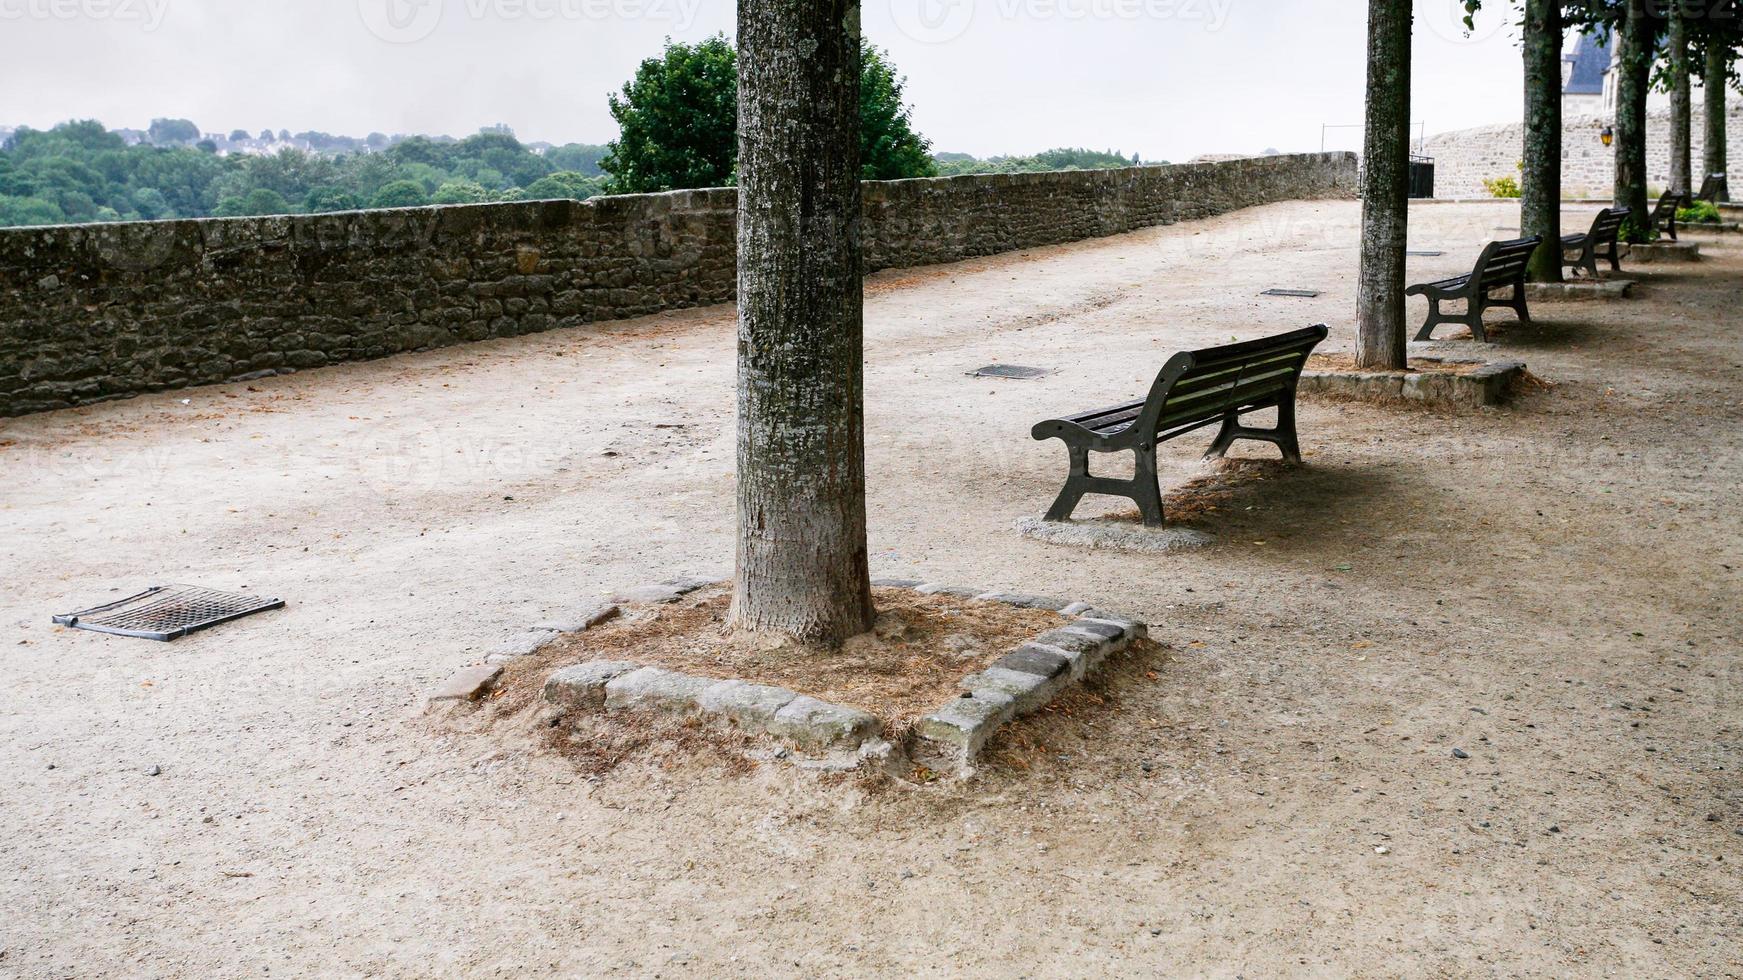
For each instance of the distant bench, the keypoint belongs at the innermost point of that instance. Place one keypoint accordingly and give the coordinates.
(1195, 389)
(1714, 190)
(1583, 251)
(1502, 265)
(1664, 213)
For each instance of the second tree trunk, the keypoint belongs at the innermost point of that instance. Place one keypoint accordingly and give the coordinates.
(801, 570)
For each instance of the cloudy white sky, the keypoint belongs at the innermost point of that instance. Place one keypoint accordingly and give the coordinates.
(1165, 78)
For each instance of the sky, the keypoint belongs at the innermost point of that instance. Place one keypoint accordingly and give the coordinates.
(1169, 79)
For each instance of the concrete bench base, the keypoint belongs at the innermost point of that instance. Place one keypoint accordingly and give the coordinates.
(1485, 386)
(1665, 252)
(1579, 291)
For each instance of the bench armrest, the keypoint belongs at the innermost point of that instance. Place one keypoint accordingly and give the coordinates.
(1064, 429)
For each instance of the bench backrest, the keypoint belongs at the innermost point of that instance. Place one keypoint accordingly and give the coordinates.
(1608, 224)
(1199, 386)
(1503, 263)
(1667, 206)
(1711, 188)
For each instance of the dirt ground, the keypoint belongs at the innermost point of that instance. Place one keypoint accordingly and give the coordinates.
(1551, 589)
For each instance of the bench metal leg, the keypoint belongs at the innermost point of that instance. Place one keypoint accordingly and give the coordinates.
(1437, 316)
(1615, 257)
(1476, 306)
(1517, 303)
(1144, 489)
(1075, 485)
(1147, 487)
(1283, 436)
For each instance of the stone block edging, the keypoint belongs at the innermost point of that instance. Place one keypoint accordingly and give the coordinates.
(1488, 385)
(1665, 252)
(1579, 290)
(951, 738)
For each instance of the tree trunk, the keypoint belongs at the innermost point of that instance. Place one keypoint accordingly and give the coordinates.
(1717, 80)
(801, 569)
(1385, 188)
(1540, 192)
(1634, 74)
(1681, 108)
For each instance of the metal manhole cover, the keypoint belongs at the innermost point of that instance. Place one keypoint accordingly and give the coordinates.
(1014, 371)
(164, 612)
(1302, 293)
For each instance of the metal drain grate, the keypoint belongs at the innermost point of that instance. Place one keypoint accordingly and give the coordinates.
(1423, 252)
(164, 612)
(1302, 293)
(1014, 371)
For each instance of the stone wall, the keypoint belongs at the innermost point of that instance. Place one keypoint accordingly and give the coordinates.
(1462, 159)
(90, 312)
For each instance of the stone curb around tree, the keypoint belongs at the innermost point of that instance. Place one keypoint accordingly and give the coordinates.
(541, 634)
(1710, 227)
(1021, 682)
(1486, 386)
(1579, 290)
(1665, 253)
(469, 684)
(1024, 680)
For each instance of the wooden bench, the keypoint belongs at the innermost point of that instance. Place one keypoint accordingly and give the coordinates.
(1195, 389)
(1714, 190)
(1582, 251)
(1664, 213)
(1502, 265)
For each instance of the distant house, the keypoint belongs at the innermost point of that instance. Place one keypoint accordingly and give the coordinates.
(1588, 77)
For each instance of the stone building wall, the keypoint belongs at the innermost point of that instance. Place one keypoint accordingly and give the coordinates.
(1462, 159)
(90, 312)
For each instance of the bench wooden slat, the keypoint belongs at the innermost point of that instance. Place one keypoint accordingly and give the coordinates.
(1602, 240)
(1193, 390)
(1502, 265)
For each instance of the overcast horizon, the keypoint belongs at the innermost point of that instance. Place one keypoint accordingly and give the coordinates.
(1169, 79)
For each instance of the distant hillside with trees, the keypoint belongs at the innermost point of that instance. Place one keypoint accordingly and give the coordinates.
(677, 119)
(81, 172)
(953, 164)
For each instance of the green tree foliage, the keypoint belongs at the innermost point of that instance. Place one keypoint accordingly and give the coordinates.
(322, 200)
(566, 184)
(261, 200)
(400, 194)
(889, 149)
(582, 158)
(461, 191)
(80, 172)
(165, 132)
(678, 121)
(28, 211)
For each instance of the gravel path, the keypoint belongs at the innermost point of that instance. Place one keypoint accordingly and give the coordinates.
(1552, 590)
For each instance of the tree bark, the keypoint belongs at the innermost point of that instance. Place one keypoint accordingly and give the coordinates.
(1385, 189)
(1681, 105)
(1633, 76)
(1717, 81)
(801, 568)
(1540, 191)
